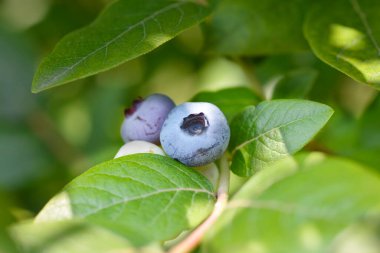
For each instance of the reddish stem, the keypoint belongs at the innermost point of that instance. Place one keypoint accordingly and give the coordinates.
(195, 237)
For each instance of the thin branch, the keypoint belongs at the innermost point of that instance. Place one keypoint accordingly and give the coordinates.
(195, 237)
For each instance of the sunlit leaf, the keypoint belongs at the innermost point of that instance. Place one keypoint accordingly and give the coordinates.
(124, 30)
(296, 207)
(144, 197)
(347, 37)
(273, 130)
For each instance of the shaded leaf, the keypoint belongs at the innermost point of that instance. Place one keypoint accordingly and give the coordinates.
(272, 69)
(230, 101)
(273, 130)
(296, 207)
(275, 66)
(295, 84)
(144, 197)
(357, 139)
(347, 37)
(241, 27)
(125, 30)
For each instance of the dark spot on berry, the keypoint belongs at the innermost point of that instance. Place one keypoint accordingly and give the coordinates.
(135, 104)
(195, 124)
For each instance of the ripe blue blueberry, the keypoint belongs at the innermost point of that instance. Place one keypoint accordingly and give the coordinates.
(195, 133)
(144, 119)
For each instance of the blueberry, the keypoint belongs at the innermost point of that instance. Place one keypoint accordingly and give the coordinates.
(135, 147)
(195, 133)
(144, 119)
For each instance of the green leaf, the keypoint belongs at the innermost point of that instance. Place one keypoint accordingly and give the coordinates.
(230, 101)
(274, 68)
(357, 139)
(273, 130)
(125, 30)
(347, 37)
(296, 207)
(144, 197)
(67, 236)
(241, 27)
(295, 84)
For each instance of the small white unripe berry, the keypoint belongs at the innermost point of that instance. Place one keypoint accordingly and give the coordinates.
(135, 147)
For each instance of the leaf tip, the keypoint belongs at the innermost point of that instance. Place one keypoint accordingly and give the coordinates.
(330, 111)
(35, 90)
(36, 85)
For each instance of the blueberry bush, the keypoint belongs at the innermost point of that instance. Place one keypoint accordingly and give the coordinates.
(203, 126)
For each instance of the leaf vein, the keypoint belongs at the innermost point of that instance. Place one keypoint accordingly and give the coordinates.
(362, 16)
(117, 37)
(310, 117)
(125, 177)
(150, 168)
(96, 188)
(163, 210)
(147, 195)
(260, 140)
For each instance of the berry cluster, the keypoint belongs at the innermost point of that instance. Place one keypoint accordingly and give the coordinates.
(196, 134)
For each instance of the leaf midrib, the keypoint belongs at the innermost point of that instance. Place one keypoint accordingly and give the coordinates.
(273, 129)
(147, 195)
(357, 9)
(120, 35)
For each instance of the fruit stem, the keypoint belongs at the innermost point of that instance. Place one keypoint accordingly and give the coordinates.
(195, 237)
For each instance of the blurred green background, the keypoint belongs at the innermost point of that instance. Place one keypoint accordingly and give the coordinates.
(48, 138)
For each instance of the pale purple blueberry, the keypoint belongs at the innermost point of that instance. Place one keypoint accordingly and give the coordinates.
(195, 133)
(144, 119)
